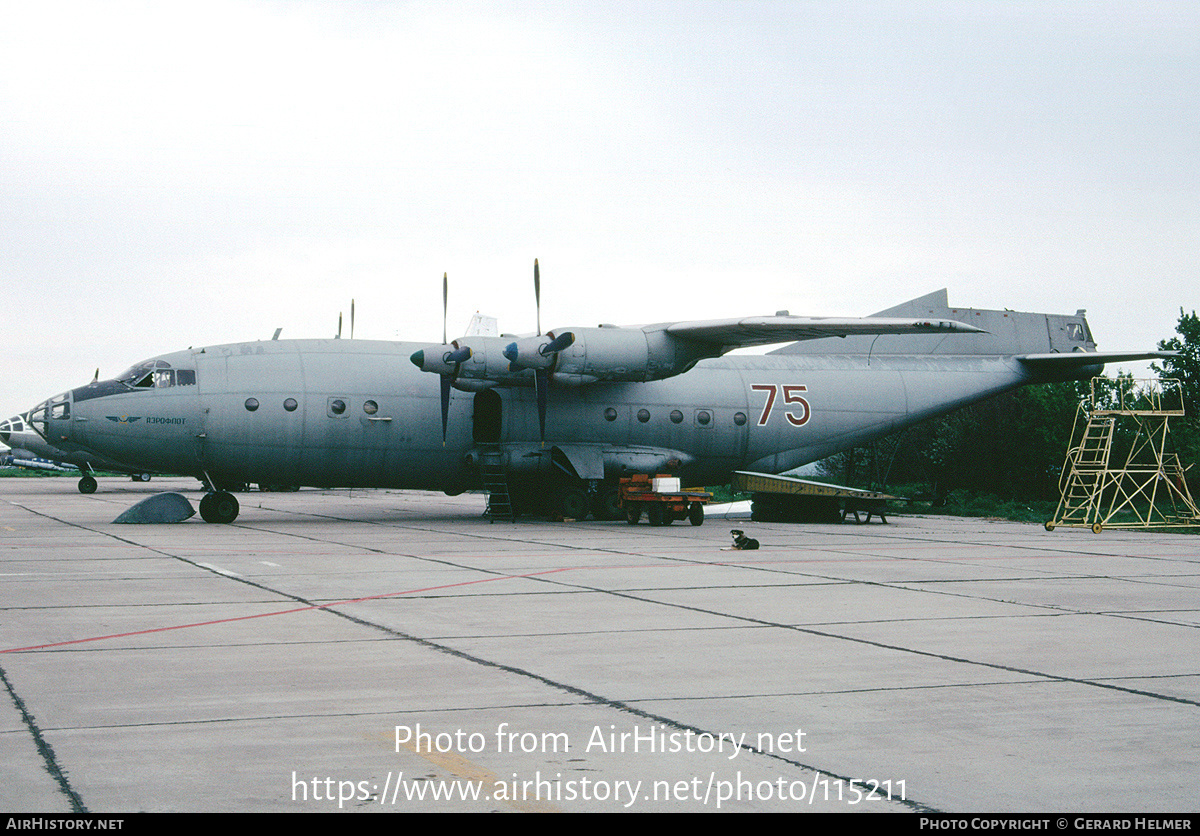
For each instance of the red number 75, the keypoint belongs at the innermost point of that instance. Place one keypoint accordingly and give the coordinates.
(791, 395)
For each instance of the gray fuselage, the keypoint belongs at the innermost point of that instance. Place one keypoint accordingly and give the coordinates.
(358, 413)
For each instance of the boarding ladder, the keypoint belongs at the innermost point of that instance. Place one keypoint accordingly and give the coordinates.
(495, 482)
(1083, 475)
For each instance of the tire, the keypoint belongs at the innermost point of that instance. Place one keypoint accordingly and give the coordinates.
(696, 514)
(633, 514)
(1049, 525)
(220, 507)
(573, 504)
(655, 514)
(87, 484)
(608, 505)
(1097, 528)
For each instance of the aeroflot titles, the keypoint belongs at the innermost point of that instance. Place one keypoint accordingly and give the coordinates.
(126, 419)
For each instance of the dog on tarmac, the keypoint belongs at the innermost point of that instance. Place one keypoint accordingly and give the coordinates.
(741, 542)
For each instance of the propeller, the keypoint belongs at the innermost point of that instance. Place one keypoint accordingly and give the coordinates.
(446, 379)
(538, 354)
(541, 389)
(447, 364)
(446, 361)
(454, 358)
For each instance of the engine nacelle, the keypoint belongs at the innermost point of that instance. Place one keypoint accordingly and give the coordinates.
(620, 354)
(587, 355)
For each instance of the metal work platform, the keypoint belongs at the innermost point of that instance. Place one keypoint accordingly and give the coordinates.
(1121, 470)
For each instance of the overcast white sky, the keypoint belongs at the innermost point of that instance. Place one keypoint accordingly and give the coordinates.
(186, 173)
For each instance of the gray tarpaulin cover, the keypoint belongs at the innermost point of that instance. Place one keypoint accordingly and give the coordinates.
(160, 508)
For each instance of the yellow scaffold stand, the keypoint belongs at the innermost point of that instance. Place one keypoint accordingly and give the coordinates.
(1148, 490)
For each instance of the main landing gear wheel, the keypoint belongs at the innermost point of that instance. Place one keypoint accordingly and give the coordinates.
(608, 505)
(87, 484)
(573, 504)
(219, 507)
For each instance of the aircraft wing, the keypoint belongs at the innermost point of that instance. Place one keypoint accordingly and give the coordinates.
(763, 330)
(1076, 359)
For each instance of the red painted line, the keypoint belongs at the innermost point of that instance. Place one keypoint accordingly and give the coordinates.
(833, 557)
(285, 612)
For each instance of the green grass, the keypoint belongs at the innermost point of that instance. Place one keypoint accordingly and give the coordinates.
(964, 503)
(25, 472)
(722, 494)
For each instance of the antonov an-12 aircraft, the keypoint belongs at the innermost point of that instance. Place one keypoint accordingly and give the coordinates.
(560, 416)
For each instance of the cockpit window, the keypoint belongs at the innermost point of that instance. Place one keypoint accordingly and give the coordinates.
(156, 374)
(58, 407)
(139, 376)
(15, 424)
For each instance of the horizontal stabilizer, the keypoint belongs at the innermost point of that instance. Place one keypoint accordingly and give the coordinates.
(1076, 359)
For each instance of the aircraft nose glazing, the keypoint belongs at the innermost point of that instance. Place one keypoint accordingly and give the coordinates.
(51, 419)
(9, 427)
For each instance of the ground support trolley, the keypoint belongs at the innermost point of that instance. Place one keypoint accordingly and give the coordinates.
(661, 500)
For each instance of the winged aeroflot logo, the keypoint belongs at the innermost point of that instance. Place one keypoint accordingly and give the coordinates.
(153, 419)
